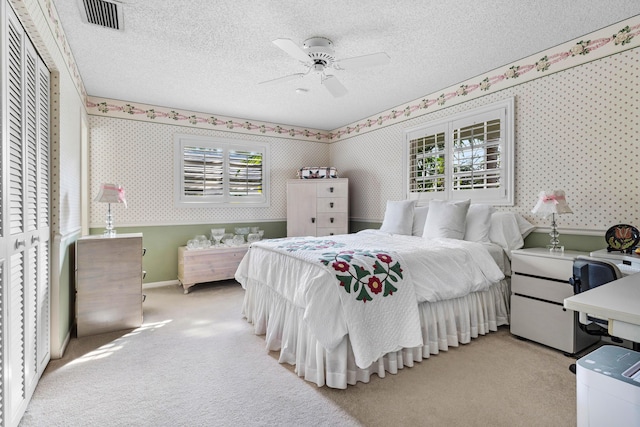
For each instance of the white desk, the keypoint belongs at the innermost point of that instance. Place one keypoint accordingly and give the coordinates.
(627, 263)
(618, 301)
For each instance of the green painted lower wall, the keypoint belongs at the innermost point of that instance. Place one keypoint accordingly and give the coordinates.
(569, 241)
(162, 243)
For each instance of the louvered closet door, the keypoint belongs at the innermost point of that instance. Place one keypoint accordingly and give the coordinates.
(25, 124)
(16, 317)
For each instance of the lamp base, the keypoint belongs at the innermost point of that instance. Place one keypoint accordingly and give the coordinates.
(556, 249)
(109, 232)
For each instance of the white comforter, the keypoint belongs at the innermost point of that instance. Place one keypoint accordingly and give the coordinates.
(432, 270)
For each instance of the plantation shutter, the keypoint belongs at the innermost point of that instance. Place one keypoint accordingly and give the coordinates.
(427, 155)
(245, 173)
(203, 171)
(476, 156)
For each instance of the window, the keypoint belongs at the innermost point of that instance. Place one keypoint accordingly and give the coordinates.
(216, 172)
(467, 156)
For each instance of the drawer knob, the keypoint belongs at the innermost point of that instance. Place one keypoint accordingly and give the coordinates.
(330, 189)
(331, 219)
(313, 220)
(331, 204)
(330, 234)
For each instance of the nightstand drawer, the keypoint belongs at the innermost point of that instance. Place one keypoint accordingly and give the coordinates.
(548, 267)
(548, 324)
(548, 290)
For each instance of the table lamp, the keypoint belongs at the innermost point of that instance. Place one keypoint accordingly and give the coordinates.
(110, 193)
(553, 204)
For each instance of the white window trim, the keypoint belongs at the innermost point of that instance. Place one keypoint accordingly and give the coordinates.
(505, 196)
(182, 201)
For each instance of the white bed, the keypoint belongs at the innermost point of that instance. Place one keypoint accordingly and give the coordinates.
(443, 293)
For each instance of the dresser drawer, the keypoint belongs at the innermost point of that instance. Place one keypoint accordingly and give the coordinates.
(332, 189)
(330, 231)
(332, 220)
(332, 204)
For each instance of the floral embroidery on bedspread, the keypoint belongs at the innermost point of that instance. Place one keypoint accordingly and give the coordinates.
(362, 277)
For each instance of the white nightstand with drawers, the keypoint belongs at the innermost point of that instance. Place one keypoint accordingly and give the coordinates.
(539, 285)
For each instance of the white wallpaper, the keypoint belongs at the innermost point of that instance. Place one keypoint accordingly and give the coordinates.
(576, 130)
(139, 156)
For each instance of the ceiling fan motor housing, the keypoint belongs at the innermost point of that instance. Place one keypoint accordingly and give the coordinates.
(321, 52)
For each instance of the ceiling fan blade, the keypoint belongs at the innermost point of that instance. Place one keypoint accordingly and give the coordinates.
(292, 49)
(371, 60)
(283, 79)
(334, 86)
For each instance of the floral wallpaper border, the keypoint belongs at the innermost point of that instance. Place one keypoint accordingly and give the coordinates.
(607, 41)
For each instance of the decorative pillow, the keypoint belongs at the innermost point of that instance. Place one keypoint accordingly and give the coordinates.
(419, 218)
(398, 217)
(446, 219)
(478, 223)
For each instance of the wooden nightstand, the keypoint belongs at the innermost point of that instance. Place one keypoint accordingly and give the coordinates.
(208, 265)
(539, 285)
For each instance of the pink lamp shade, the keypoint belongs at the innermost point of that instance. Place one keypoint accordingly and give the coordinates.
(111, 193)
(551, 203)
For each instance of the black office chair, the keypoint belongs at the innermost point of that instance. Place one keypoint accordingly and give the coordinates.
(589, 273)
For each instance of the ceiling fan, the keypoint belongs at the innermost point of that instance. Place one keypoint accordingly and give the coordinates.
(318, 55)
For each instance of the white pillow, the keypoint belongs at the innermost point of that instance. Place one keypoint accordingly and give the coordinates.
(478, 223)
(506, 232)
(419, 218)
(398, 217)
(446, 219)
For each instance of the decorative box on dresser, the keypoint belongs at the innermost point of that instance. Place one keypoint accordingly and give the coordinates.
(539, 285)
(317, 207)
(208, 265)
(108, 283)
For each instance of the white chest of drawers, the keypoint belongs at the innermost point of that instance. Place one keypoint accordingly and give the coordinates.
(317, 207)
(539, 285)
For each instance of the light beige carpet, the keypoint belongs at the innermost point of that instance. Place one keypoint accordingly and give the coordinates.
(196, 362)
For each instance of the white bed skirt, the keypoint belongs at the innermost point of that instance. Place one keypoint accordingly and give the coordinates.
(444, 324)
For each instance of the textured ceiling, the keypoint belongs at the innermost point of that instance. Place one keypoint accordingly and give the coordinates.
(209, 56)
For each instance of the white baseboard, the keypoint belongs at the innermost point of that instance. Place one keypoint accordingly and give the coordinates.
(160, 284)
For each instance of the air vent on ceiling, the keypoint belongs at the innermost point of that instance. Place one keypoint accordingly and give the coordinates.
(100, 12)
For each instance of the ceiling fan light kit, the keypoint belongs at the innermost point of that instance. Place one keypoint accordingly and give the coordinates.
(318, 55)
